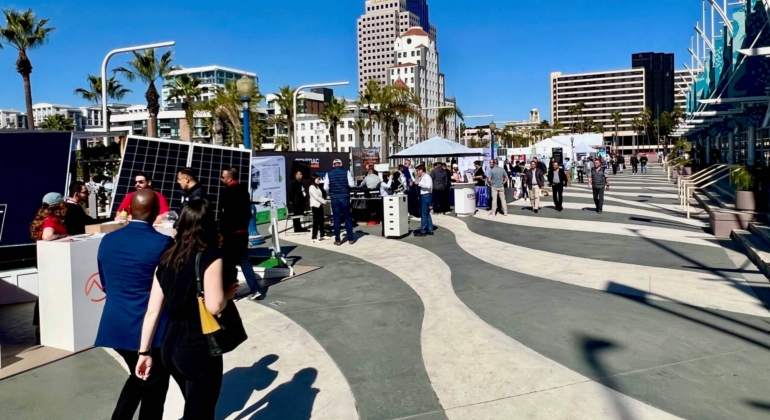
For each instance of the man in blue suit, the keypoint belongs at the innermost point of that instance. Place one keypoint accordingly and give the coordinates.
(127, 261)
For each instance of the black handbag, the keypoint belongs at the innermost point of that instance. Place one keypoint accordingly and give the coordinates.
(223, 332)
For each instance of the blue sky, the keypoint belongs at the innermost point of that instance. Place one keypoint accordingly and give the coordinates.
(497, 54)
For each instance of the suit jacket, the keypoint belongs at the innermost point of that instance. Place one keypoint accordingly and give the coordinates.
(562, 177)
(297, 197)
(234, 209)
(76, 219)
(538, 177)
(127, 260)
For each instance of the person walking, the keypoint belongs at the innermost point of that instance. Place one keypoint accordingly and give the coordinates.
(557, 180)
(568, 170)
(496, 180)
(337, 183)
(184, 348)
(614, 163)
(234, 219)
(425, 184)
(581, 169)
(191, 189)
(524, 191)
(126, 272)
(317, 202)
(75, 218)
(297, 197)
(534, 181)
(634, 164)
(440, 184)
(621, 163)
(643, 161)
(598, 182)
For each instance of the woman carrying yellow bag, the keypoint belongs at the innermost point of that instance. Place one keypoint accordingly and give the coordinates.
(185, 348)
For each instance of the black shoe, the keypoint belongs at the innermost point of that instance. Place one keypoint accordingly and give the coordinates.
(535, 211)
(419, 234)
(559, 209)
(598, 212)
(430, 232)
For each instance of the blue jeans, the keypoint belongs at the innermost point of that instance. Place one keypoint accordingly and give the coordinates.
(341, 208)
(644, 168)
(236, 252)
(426, 222)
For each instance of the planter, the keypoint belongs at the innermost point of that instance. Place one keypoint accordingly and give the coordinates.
(751, 200)
(687, 170)
(674, 174)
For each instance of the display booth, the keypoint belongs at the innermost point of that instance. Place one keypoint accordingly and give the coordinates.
(464, 198)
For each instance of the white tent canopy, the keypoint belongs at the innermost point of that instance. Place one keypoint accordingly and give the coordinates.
(436, 147)
(583, 148)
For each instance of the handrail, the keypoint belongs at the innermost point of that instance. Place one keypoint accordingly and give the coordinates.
(681, 185)
(705, 186)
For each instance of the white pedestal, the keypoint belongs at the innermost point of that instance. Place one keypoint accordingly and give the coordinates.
(71, 295)
(395, 216)
(465, 198)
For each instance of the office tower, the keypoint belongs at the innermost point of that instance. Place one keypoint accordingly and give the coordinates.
(658, 81)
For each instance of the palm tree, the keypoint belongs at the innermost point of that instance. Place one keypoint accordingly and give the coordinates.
(25, 31)
(226, 109)
(361, 125)
(148, 68)
(57, 122)
(462, 129)
(617, 117)
(331, 116)
(481, 133)
(371, 92)
(394, 102)
(636, 126)
(93, 94)
(645, 119)
(444, 114)
(282, 143)
(285, 100)
(187, 89)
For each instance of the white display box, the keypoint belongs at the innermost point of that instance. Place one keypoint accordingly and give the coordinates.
(395, 216)
(465, 198)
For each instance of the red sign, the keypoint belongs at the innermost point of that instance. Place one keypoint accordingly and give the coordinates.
(95, 295)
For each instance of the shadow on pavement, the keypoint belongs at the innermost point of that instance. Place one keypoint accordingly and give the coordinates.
(592, 349)
(290, 400)
(238, 384)
(762, 405)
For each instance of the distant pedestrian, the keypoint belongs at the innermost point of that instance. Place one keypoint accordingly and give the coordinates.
(425, 185)
(557, 180)
(598, 182)
(297, 197)
(440, 184)
(634, 164)
(621, 163)
(534, 181)
(317, 202)
(614, 163)
(338, 183)
(643, 162)
(497, 177)
(581, 168)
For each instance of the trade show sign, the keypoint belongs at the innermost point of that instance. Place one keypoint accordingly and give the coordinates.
(362, 158)
(268, 175)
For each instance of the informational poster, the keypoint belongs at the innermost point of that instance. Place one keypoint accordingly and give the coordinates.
(557, 153)
(362, 158)
(268, 179)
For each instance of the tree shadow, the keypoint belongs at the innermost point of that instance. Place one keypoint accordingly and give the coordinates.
(592, 349)
(291, 400)
(758, 404)
(238, 384)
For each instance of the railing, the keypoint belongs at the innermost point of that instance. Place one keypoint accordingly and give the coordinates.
(686, 186)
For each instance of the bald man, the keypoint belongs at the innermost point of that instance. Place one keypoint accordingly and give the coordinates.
(127, 259)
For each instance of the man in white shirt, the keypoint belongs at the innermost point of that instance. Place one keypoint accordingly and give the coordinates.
(425, 185)
(568, 170)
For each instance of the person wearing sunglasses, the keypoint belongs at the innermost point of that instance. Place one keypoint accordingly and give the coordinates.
(142, 180)
(76, 219)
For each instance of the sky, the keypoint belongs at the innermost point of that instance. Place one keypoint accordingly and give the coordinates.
(497, 55)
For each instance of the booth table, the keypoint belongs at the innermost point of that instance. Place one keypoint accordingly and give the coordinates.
(465, 198)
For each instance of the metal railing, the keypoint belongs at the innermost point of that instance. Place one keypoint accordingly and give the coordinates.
(685, 186)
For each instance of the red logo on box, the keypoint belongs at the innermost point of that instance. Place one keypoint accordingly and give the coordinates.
(92, 282)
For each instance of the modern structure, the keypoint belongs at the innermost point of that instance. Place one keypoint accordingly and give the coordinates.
(211, 78)
(309, 104)
(313, 134)
(378, 28)
(41, 111)
(171, 124)
(12, 119)
(658, 81)
(683, 79)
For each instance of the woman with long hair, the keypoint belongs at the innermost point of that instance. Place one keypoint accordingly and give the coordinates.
(184, 348)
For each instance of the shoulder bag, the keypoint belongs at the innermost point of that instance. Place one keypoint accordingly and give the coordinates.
(223, 332)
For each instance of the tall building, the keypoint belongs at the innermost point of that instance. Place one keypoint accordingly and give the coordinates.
(378, 29)
(658, 81)
(682, 81)
(210, 78)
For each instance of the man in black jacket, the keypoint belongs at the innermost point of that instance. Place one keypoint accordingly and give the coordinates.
(534, 181)
(76, 218)
(191, 189)
(234, 219)
(440, 184)
(297, 198)
(557, 180)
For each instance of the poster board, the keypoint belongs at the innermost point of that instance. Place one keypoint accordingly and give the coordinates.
(362, 158)
(268, 175)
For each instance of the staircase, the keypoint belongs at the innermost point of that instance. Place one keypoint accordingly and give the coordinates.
(756, 243)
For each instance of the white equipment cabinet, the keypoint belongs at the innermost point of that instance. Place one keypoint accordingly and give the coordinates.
(395, 216)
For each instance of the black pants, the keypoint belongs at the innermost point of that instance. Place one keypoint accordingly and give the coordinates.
(614, 169)
(151, 393)
(599, 197)
(318, 221)
(439, 201)
(558, 195)
(299, 210)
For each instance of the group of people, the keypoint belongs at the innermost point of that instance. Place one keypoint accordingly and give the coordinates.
(151, 315)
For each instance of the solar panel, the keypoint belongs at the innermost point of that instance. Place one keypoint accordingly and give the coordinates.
(209, 161)
(162, 159)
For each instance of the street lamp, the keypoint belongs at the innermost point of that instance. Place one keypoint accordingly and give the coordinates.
(492, 127)
(245, 87)
(296, 92)
(104, 74)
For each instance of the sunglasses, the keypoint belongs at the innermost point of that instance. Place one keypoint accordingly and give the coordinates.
(141, 182)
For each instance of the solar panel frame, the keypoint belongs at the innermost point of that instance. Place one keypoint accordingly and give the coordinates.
(208, 162)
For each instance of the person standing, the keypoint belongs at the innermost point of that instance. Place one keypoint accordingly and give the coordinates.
(317, 202)
(634, 164)
(643, 163)
(478, 174)
(142, 180)
(425, 184)
(75, 218)
(557, 180)
(598, 182)
(337, 183)
(614, 163)
(621, 163)
(297, 198)
(184, 348)
(448, 191)
(234, 219)
(126, 272)
(534, 181)
(568, 170)
(581, 168)
(524, 190)
(496, 180)
(440, 184)
(413, 199)
(191, 189)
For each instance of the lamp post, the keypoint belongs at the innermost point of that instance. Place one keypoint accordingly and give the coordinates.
(109, 55)
(492, 127)
(296, 92)
(245, 87)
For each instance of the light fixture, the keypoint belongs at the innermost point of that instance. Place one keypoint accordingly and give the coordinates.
(245, 87)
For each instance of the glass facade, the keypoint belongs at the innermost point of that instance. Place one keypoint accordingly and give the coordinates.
(420, 8)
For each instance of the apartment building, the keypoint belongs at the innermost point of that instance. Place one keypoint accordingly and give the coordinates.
(12, 119)
(210, 77)
(313, 134)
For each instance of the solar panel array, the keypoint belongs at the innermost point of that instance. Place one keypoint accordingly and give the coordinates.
(162, 159)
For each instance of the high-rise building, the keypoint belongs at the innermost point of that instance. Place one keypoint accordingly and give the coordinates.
(378, 29)
(658, 81)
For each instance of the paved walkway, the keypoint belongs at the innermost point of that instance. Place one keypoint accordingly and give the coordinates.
(633, 314)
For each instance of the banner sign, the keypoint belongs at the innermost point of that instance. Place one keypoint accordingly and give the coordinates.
(557, 154)
(268, 175)
(362, 158)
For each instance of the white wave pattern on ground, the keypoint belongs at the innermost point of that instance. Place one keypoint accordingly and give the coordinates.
(546, 201)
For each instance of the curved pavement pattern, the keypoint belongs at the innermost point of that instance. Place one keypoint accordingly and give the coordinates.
(476, 370)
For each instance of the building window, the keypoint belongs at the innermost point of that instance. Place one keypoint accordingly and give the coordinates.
(350, 137)
(342, 138)
(412, 53)
(302, 126)
(311, 126)
(303, 139)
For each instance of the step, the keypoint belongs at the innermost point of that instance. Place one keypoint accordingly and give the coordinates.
(761, 231)
(756, 249)
(705, 202)
(718, 196)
